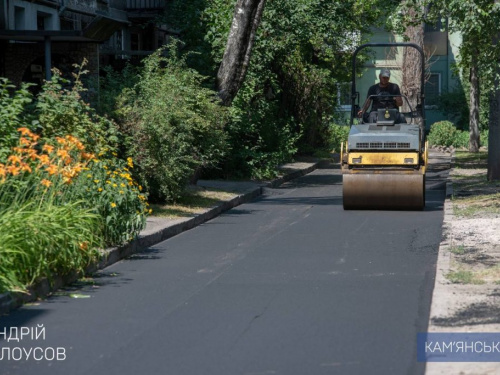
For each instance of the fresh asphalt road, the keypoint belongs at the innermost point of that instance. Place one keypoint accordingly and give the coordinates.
(287, 284)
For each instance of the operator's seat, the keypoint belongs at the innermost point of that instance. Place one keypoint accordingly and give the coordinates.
(387, 116)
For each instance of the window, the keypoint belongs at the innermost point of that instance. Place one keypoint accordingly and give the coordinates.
(19, 18)
(43, 21)
(432, 89)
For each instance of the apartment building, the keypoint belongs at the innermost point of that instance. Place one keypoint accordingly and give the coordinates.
(37, 35)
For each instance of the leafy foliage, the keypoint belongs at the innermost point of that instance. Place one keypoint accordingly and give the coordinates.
(12, 114)
(108, 187)
(445, 133)
(61, 110)
(176, 124)
(301, 53)
(40, 239)
(338, 135)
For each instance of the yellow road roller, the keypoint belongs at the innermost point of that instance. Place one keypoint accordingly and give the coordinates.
(384, 159)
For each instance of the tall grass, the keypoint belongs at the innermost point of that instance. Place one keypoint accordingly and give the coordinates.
(42, 239)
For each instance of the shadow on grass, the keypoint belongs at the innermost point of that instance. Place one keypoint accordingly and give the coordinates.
(474, 314)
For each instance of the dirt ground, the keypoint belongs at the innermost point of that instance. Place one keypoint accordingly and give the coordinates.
(467, 291)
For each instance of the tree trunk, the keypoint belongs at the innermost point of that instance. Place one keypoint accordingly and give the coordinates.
(493, 173)
(474, 108)
(234, 65)
(411, 70)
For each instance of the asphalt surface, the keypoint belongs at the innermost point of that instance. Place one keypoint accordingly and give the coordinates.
(287, 284)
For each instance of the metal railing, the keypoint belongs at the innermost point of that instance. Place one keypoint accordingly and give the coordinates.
(146, 4)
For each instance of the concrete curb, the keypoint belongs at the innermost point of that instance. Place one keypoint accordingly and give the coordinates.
(439, 294)
(12, 300)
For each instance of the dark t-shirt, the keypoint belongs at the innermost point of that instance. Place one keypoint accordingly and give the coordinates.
(391, 89)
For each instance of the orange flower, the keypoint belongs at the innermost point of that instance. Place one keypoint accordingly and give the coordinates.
(44, 159)
(24, 141)
(32, 154)
(78, 168)
(25, 167)
(68, 173)
(45, 182)
(51, 169)
(14, 159)
(3, 171)
(13, 170)
(48, 148)
(25, 131)
(87, 156)
(61, 140)
(62, 153)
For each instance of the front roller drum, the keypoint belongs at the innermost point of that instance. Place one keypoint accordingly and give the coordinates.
(384, 191)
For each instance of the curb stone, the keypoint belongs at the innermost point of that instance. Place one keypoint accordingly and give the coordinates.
(163, 229)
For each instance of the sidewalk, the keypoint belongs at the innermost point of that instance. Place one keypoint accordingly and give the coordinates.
(159, 229)
(470, 247)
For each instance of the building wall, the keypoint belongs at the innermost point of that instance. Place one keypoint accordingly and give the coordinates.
(22, 59)
(444, 50)
(23, 15)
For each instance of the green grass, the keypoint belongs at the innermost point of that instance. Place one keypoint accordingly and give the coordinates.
(191, 203)
(472, 205)
(465, 159)
(41, 240)
(463, 277)
(458, 250)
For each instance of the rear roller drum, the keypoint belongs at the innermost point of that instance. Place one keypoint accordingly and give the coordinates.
(384, 191)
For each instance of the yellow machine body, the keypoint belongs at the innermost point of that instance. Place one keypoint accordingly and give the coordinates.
(383, 180)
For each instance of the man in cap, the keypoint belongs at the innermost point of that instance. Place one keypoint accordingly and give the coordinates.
(378, 91)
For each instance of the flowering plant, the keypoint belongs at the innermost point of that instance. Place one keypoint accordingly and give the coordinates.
(108, 184)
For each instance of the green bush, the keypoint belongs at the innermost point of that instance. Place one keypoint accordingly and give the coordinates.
(80, 202)
(12, 114)
(60, 110)
(461, 139)
(107, 186)
(260, 139)
(442, 133)
(176, 124)
(338, 135)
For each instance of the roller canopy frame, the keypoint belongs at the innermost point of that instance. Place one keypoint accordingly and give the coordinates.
(354, 93)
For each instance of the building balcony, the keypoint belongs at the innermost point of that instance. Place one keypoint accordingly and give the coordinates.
(145, 5)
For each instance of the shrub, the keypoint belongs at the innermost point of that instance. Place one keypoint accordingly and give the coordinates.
(177, 125)
(41, 231)
(107, 186)
(61, 110)
(260, 140)
(461, 139)
(338, 135)
(12, 115)
(442, 133)
(61, 171)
